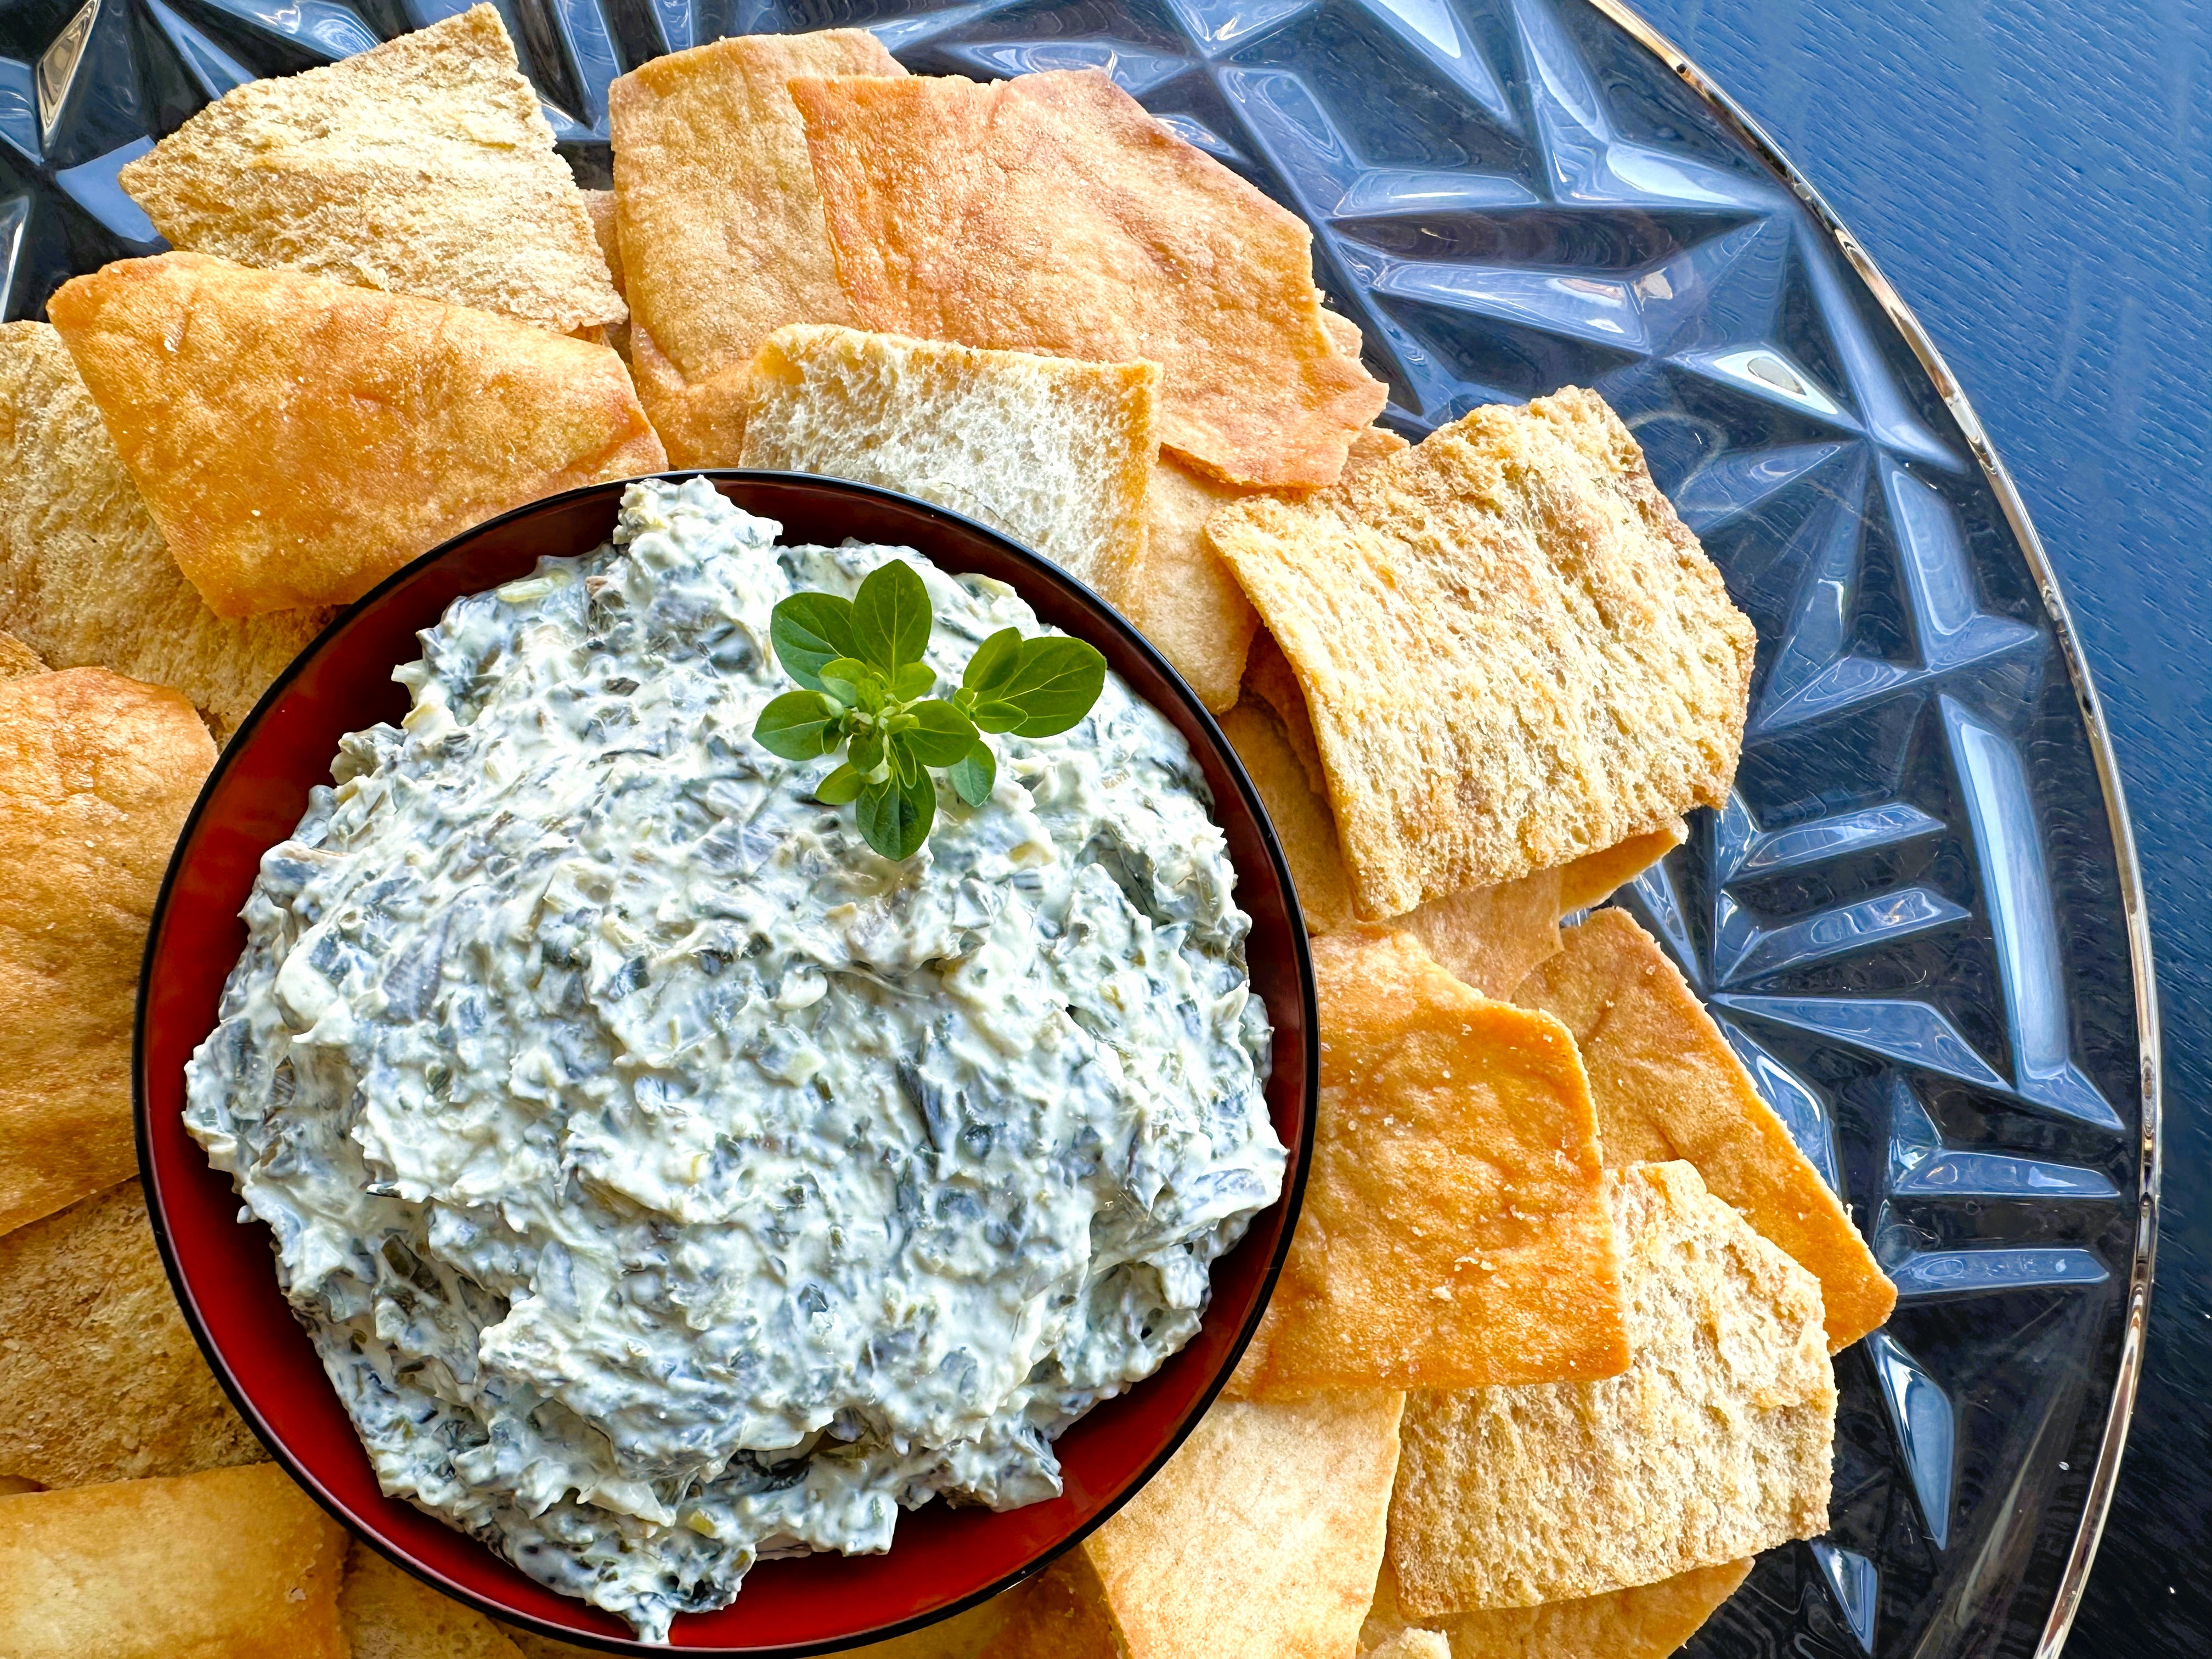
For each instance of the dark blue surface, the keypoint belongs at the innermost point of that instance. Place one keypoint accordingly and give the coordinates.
(2033, 180)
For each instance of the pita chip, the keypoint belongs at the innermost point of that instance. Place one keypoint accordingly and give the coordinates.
(1269, 1521)
(600, 205)
(232, 1564)
(1666, 1086)
(424, 165)
(1583, 675)
(721, 224)
(17, 659)
(1183, 597)
(96, 775)
(1051, 213)
(297, 441)
(388, 1613)
(100, 1379)
(1303, 827)
(85, 577)
(1055, 452)
(1490, 936)
(1595, 876)
(1715, 1444)
(1411, 1643)
(1454, 1229)
(1649, 1621)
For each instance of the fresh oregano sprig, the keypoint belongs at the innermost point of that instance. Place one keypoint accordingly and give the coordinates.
(860, 662)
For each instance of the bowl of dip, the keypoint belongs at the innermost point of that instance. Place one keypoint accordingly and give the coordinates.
(669, 1191)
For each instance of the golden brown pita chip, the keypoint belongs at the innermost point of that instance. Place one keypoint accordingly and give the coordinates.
(720, 223)
(1050, 213)
(1269, 1522)
(1303, 824)
(85, 577)
(1582, 675)
(423, 166)
(97, 775)
(1597, 876)
(1667, 1085)
(1183, 597)
(234, 1563)
(17, 659)
(1055, 452)
(1650, 1621)
(1454, 1230)
(99, 1380)
(297, 441)
(1714, 1445)
(387, 1613)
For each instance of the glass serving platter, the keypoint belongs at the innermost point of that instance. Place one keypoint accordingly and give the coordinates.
(1918, 919)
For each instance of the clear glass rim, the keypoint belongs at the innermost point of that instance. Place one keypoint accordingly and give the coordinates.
(2102, 1479)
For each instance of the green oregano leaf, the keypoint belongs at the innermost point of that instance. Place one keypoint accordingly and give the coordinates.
(941, 734)
(895, 817)
(800, 725)
(841, 787)
(1054, 684)
(809, 629)
(890, 616)
(975, 774)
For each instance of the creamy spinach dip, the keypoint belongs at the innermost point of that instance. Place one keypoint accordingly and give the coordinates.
(665, 1179)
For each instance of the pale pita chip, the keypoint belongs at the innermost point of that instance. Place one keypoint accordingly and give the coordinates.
(1492, 936)
(1714, 1445)
(1514, 653)
(1055, 452)
(600, 204)
(424, 165)
(96, 775)
(100, 1379)
(387, 1613)
(1304, 828)
(721, 225)
(85, 577)
(1666, 1086)
(1050, 213)
(1454, 1229)
(1268, 676)
(1597, 876)
(298, 441)
(1649, 1621)
(1269, 1522)
(234, 1564)
(17, 659)
(1411, 1643)
(1183, 597)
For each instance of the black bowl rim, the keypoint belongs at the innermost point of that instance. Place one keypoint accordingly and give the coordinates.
(1294, 1194)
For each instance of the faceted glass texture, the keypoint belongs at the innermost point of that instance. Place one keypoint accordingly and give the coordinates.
(1910, 919)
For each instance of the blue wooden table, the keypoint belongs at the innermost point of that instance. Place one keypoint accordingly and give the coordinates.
(2033, 180)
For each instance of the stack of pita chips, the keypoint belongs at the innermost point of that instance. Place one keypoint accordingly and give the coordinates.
(1548, 1359)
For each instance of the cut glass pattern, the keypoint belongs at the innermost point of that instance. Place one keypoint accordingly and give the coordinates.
(1906, 918)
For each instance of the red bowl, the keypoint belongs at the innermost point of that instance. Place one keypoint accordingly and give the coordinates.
(943, 1558)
